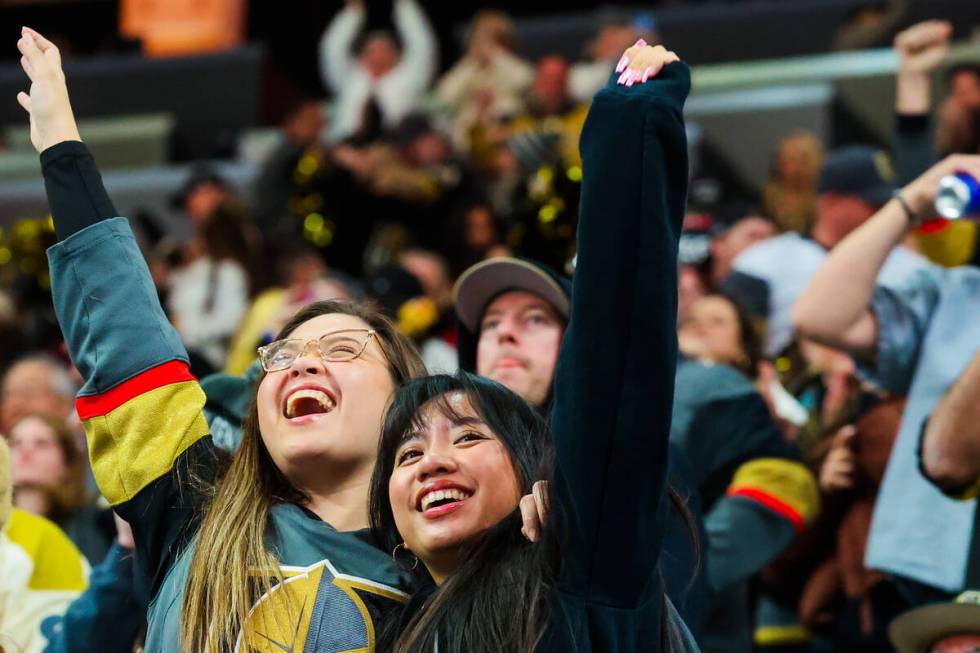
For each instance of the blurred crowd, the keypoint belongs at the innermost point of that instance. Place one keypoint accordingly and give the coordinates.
(825, 513)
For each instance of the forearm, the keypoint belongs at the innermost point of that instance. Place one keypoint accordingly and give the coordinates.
(913, 93)
(839, 294)
(336, 59)
(951, 441)
(76, 195)
(613, 402)
(419, 54)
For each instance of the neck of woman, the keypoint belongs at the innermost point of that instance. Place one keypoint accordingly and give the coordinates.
(342, 505)
(441, 566)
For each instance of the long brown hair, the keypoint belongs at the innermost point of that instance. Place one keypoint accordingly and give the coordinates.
(231, 566)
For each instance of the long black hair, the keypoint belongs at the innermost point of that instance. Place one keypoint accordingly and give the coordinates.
(501, 575)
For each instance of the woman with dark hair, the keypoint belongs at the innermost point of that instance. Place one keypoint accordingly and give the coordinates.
(718, 330)
(266, 551)
(457, 453)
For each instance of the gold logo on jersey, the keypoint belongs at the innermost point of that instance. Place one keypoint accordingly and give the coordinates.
(315, 610)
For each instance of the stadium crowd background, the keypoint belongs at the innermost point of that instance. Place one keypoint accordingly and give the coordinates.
(377, 150)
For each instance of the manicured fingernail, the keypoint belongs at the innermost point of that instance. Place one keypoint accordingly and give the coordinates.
(648, 73)
(632, 79)
(641, 42)
(621, 66)
(622, 78)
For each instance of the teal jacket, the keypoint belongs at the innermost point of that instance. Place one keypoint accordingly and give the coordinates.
(147, 435)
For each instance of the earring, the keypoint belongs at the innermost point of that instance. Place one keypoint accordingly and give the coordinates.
(394, 556)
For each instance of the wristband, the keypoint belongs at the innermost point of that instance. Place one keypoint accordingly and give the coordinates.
(914, 220)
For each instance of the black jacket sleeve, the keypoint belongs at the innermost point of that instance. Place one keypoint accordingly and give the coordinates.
(615, 378)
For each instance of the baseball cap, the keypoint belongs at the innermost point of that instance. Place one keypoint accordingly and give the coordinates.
(860, 170)
(917, 630)
(479, 284)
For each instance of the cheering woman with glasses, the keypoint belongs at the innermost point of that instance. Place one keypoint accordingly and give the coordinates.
(267, 551)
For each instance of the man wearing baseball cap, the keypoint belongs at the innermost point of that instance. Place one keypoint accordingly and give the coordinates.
(512, 315)
(854, 183)
(940, 627)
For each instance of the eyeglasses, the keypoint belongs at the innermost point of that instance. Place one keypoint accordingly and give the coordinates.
(335, 347)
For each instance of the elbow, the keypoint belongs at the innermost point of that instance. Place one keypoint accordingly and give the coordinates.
(949, 472)
(807, 321)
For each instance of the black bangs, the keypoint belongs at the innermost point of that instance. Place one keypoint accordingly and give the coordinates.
(513, 421)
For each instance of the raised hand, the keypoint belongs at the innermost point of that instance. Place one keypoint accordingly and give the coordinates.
(47, 104)
(922, 47)
(921, 193)
(641, 62)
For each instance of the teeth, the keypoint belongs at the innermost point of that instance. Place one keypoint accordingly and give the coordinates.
(321, 398)
(440, 495)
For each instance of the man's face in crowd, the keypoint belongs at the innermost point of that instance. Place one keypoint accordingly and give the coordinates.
(379, 56)
(27, 389)
(520, 336)
(839, 214)
(551, 83)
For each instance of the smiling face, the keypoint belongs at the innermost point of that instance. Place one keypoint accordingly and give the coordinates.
(316, 412)
(520, 336)
(452, 480)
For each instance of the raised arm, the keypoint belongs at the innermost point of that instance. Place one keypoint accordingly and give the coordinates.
(336, 57)
(419, 51)
(615, 377)
(835, 308)
(141, 408)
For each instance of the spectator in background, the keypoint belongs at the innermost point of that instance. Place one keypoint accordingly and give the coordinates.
(854, 183)
(919, 141)
(301, 131)
(871, 25)
(490, 82)
(551, 110)
(717, 330)
(203, 191)
(945, 628)
(305, 279)
(109, 615)
(587, 77)
(789, 196)
(41, 571)
(49, 480)
(914, 338)
(728, 242)
(37, 383)
(210, 294)
(382, 79)
(475, 234)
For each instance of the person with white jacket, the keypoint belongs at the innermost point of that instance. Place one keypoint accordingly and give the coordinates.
(394, 79)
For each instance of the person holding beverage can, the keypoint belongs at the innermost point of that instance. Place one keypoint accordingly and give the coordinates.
(915, 340)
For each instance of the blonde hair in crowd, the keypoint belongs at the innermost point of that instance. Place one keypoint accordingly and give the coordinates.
(231, 567)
